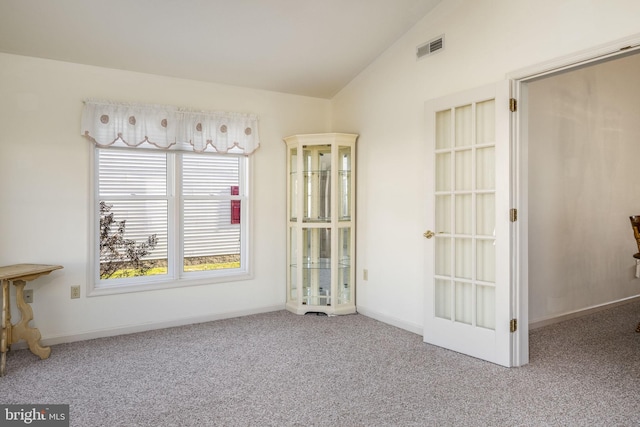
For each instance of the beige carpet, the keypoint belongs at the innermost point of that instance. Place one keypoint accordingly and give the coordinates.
(279, 369)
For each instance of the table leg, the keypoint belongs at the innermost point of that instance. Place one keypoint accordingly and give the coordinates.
(6, 320)
(22, 330)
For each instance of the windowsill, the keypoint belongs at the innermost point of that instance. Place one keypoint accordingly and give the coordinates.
(166, 284)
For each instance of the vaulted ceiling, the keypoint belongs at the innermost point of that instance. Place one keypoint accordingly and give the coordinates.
(306, 47)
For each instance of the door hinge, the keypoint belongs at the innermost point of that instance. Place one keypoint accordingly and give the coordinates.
(513, 325)
(513, 105)
(513, 215)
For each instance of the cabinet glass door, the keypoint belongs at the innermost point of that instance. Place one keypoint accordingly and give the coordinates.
(316, 274)
(293, 264)
(321, 223)
(293, 184)
(317, 183)
(344, 177)
(344, 265)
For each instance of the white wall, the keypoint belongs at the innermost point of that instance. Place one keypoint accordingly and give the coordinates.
(485, 40)
(584, 148)
(45, 195)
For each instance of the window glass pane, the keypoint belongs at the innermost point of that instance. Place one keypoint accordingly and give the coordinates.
(136, 193)
(133, 238)
(211, 240)
(131, 173)
(204, 175)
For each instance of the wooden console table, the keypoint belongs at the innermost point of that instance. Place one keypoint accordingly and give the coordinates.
(20, 274)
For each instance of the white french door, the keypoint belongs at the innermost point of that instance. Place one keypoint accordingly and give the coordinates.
(468, 241)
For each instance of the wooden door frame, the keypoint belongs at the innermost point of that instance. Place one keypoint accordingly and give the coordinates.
(519, 165)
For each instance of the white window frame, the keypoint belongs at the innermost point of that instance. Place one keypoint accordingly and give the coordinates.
(175, 277)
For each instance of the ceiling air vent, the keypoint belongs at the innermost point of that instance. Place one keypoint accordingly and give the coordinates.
(430, 47)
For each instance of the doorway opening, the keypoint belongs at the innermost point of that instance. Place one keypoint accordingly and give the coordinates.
(576, 136)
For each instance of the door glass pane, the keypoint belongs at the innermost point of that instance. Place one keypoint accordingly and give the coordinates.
(486, 260)
(465, 211)
(443, 172)
(485, 307)
(463, 214)
(443, 214)
(463, 258)
(485, 169)
(464, 306)
(443, 129)
(485, 214)
(443, 256)
(463, 126)
(463, 170)
(443, 298)
(485, 122)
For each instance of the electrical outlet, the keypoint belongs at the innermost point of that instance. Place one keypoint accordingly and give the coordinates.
(75, 292)
(365, 274)
(28, 296)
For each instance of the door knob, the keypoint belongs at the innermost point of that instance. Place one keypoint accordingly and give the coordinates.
(429, 234)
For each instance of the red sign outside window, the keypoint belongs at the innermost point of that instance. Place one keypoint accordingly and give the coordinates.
(235, 205)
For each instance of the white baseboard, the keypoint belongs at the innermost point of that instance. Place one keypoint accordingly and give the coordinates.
(407, 326)
(534, 324)
(132, 329)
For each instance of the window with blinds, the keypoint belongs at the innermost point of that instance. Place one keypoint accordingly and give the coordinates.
(169, 216)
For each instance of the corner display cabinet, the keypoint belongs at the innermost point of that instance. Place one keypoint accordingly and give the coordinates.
(321, 228)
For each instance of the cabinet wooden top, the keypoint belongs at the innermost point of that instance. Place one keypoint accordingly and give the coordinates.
(26, 271)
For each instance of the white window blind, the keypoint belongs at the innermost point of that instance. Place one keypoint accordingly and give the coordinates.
(207, 183)
(194, 205)
(134, 186)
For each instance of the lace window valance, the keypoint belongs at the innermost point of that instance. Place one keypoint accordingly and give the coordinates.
(169, 128)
